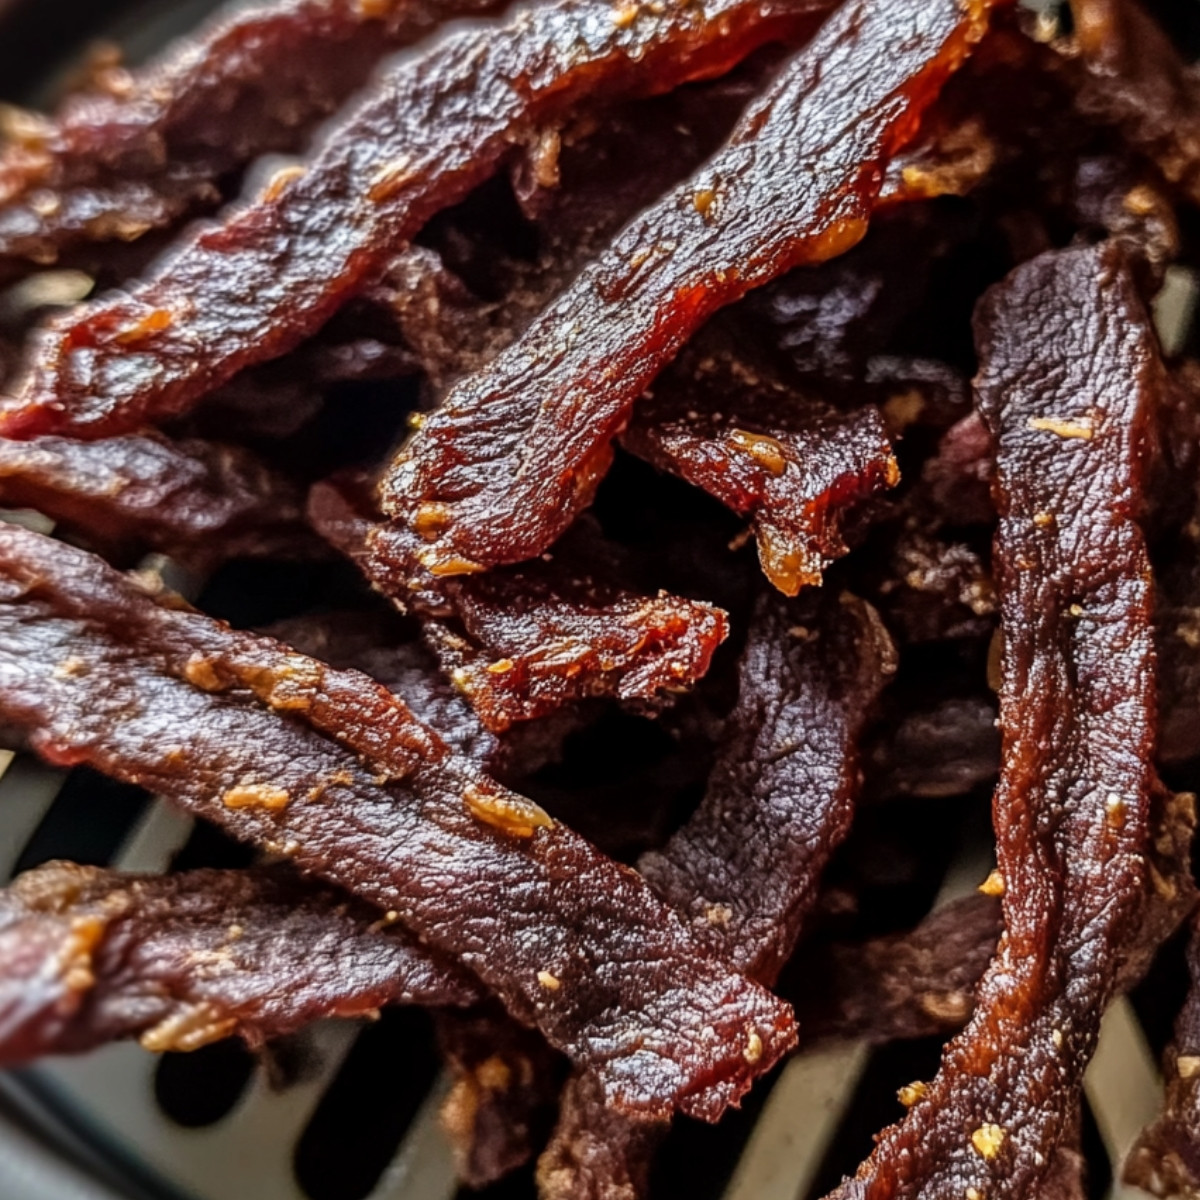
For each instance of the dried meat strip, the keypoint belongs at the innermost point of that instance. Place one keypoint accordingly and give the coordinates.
(790, 462)
(138, 151)
(745, 866)
(197, 501)
(501, 1104)
(91, 956)
(333, 771)
(524, 642)
(1166, 1159)
(253, 288)
(1068, 379)
(1132, 77)
(517, 449)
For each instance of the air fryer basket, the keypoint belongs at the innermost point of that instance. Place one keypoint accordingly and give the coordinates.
(349, 1112)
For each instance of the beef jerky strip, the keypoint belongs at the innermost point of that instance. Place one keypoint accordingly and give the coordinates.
(789, 462)
(1132, 77)
(197, 501)
(1068, 378)
(501, 468)
(141, 150)
(91, 956)
(226, 724)
(523, 642)
(746, 864)
(502, 1102)
(1166, 1159)
(412, 148)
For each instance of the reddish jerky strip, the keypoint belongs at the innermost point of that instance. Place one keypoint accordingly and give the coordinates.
(1067, 382)
(522, 643)
(141, 150)
(746, 864)
(411, 149)
(1166, 1159)
(502, 1102)
(197, 501)
(91, 956)
(517, 449)
(225, 724)
(790, 463)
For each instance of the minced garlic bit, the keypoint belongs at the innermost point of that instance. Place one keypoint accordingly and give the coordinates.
(278, 182)
(146, 327)
(193, 1026)
(703, 200)
(550, 982)
(390, 179)
(993, 885)
(501, 666)
(431, 518)
(1043, 520)
(71, 667)
(718, 914)
(754, 1047)
(75, 957)
(910, 1093)
(1114, 810)
(1056, 1036)
(987, 1140)
(494, 1074)
(973, 1193)
(766, 451)
(625, 15)
(257, 795)
(1187, 1066)
(1064, 429)
(506, 811)
(199, 672)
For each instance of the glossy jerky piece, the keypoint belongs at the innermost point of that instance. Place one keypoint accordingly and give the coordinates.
(332, 771)
(230, 298)
(501, 1104)
(907, 985)
(525, 642)
(745, 866)
(1132, 77)
(789, 462)
(92, 956)
(1166, 1159)
(516, 450)
(1068, 378)
(139, 150)
(198, 501)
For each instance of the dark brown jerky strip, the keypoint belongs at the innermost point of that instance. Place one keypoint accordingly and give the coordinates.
(790, 462)
(501, 1105)
(1166, 1159)
(225, 724)
(91, 956)
(197, 501)
(140, 150)
(411, 149)
(523, 642)
(517, 449)
(1068, 378)
(746, 864)
(1133, 78)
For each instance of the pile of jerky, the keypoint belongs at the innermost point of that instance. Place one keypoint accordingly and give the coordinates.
(589, 336)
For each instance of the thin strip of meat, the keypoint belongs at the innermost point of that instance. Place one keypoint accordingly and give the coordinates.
(1068, 379)
(226, 724)
(516, 450)
(501, 1104)
(138, 151)
(1166, 1159)
(522, 643)
(255, 286)
(1131, 76)
(197, 501)
(790, 462)
(745, 866)
(91, 956)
